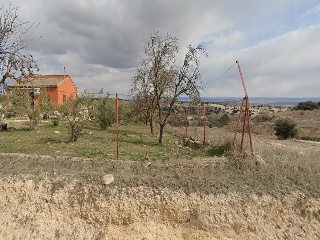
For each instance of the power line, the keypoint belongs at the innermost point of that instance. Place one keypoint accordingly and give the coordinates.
(217, 79)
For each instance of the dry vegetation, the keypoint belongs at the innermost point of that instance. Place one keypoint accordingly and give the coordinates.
(308, 122)
(171, 191)
(278, 165)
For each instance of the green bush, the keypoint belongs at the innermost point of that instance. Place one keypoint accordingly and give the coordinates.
(285, 128)
(219, 151)
(217, 121)
(308, 105)
(106, 112)
(225, 119)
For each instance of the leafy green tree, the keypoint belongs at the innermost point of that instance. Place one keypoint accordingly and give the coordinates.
(22, 101)
(285, 128)
(105, 114)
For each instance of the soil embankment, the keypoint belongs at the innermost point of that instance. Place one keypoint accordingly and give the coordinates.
(69, 198)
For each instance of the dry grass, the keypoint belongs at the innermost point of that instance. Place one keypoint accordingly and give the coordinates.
(283, 166)
(278, 166)
(308, 123)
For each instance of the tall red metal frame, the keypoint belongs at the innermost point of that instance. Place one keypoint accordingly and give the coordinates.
(246, 119)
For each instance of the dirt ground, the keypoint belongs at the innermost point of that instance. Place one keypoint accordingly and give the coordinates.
(75, 198)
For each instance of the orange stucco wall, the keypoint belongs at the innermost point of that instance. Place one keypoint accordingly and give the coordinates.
(58, 94)
(67, 89)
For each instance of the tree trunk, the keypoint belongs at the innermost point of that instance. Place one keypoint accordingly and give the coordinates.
(161, 133)
(151, 127)
(72, 134)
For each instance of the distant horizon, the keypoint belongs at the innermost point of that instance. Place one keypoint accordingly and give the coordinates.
(261, 97)
(277, 101)
(318, 98)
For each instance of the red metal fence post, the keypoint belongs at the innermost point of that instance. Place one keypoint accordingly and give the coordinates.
(186, 123)
(204, 124)
(117, 124)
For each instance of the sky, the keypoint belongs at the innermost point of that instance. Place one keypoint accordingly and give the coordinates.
(100, 42)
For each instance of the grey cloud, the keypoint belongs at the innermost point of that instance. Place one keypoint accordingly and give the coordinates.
(101, 41)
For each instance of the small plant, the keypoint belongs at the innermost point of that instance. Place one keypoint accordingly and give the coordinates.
(225, 119)
(55, 121)
(285, 128)
(217, 121)
(263, 116)
(219, 151)
(76, 117)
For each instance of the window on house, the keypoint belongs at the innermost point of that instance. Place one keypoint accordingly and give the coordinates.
(64, 98)
(36, 90)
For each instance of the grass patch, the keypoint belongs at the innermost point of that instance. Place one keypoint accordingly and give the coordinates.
(287, 168)
(135, 142)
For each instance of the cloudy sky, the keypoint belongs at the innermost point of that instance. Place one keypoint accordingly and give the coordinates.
(100, 42)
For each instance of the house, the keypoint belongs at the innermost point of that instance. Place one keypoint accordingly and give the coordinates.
(58, 87)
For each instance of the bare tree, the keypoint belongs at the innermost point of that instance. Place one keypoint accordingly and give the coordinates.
(167, 80)
(76, 115)
(144, 98)
(15, 62)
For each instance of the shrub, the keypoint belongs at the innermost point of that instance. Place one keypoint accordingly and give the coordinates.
(285, 128)
(76, 117)
(105, 114)
(308, 105)
(217, 121)
(263, 116)
(127, 112)
(220, 150)
(177, 121)
(225, 119)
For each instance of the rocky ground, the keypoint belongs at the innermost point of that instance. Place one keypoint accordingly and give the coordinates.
(73, 198)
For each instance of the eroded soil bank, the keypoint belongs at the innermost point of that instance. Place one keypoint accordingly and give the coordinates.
(41, 199)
